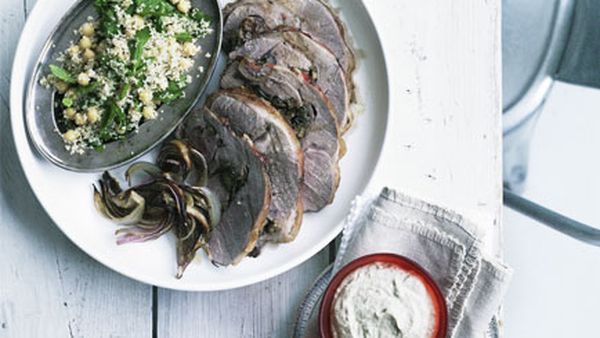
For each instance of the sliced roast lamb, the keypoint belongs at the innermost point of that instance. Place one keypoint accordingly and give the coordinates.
(237, 175)
(309, 112)
(297, 50)
(248, 19)
(276, 140)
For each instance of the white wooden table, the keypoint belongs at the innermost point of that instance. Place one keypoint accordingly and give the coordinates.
(444, 145)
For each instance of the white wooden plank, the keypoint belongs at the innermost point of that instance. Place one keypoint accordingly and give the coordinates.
(267, 309)
(48, 287)
(445, 138)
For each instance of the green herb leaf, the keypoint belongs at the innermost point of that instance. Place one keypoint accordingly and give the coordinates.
(105, 3)
(198, 15)
(124, 92)
(62, 74)
(130, 10)
(107, 120)
(141, 38)
(109, 23)
(67, 101)
(155, 8)
(173, 92)
(112, 113)
(184, 37)
(84, 90)
(119, 114)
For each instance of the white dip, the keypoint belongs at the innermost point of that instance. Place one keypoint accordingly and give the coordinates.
(380, 300)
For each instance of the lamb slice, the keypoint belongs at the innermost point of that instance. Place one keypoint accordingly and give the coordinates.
(309, 113)
(247, 19)
(276, 140)
(237, 175)
(297, 50)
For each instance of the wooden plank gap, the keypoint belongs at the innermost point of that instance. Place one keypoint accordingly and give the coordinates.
(25, 11)
(154, 312)
(332, 251)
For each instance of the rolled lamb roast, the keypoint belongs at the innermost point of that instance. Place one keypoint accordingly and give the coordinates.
(296, 50)
(309, 113)
(248, 19)
(237, 175)
(276, 140)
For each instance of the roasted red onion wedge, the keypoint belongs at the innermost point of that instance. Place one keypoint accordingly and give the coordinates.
(150, 169)
(163, 201)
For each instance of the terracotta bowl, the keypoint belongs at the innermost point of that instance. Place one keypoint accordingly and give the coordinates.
(402, 263)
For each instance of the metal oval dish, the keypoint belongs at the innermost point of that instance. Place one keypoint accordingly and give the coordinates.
(39, 111)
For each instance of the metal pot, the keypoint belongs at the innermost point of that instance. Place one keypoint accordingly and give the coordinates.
(543, 41)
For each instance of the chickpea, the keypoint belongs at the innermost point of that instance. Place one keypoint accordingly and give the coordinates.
(89, 54)
(135, 115)
(73, 50)
(185, 64)
(184, 6)
(138, 22)
(189, 49)
(87, 29)
(145, 96)
(61, 86)
(83, 79)
(80, 119)
(149, 113)
(85, 42)
(93, 115)
(71, 136)
(69, 113)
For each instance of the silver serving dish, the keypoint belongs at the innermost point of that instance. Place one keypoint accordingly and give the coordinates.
(39, 111)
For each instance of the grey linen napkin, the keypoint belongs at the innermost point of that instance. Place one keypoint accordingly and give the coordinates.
(444, 243)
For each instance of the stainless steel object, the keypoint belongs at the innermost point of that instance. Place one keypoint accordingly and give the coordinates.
(554, 220)
(39, 114)
(543, 41)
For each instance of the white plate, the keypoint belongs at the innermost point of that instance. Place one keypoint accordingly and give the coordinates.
(67, 196)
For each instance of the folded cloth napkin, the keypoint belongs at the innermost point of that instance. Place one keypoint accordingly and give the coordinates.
(445, 244)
